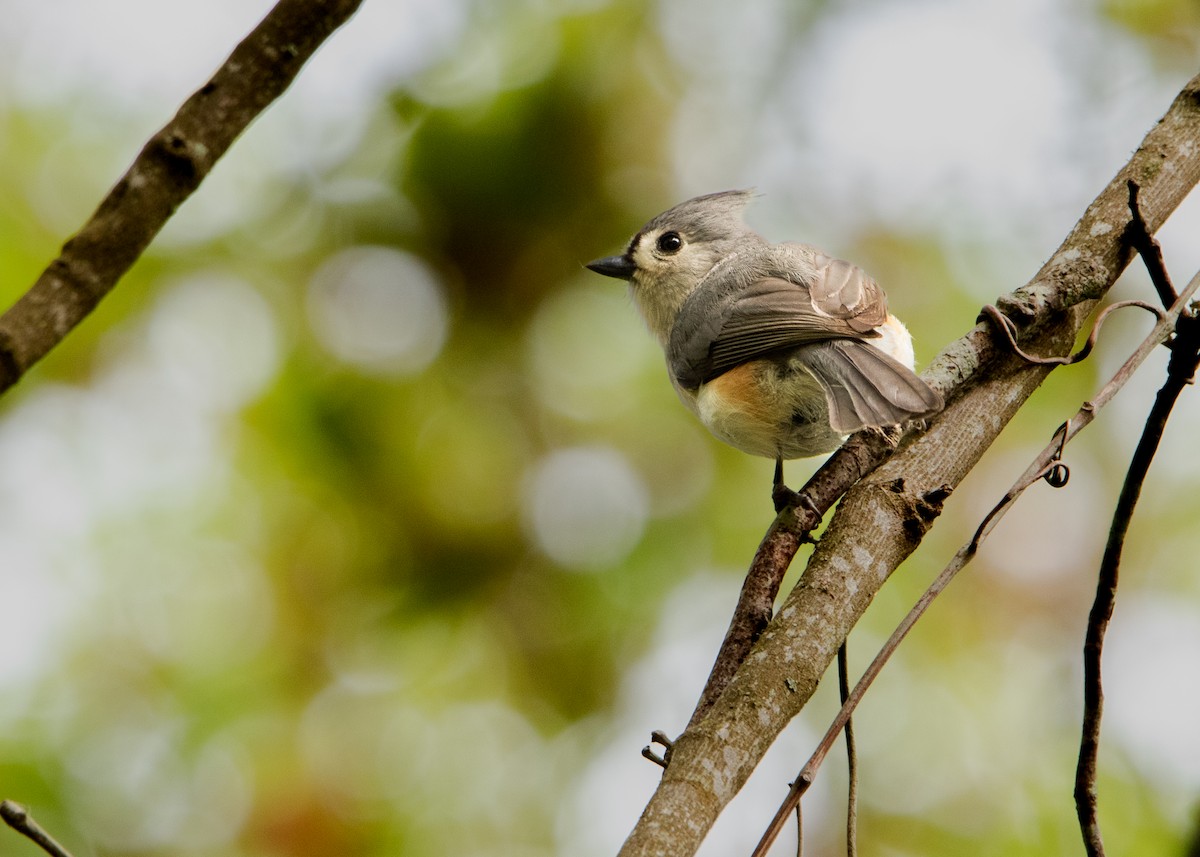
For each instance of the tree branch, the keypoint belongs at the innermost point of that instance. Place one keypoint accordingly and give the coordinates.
(885, 516)
(861, 454)
(1044, 466)
(1181, 369)
(18, 818)
(170, 167)
(843, 659)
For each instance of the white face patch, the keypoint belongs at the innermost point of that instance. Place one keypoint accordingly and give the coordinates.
(642, 254)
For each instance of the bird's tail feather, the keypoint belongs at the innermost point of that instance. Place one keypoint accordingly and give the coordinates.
(865, 387)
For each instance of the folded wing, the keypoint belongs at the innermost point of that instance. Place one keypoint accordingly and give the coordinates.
(865, 387)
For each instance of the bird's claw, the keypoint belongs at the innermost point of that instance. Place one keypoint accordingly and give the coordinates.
(785, 498)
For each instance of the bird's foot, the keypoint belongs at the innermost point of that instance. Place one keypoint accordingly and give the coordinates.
(785, 498)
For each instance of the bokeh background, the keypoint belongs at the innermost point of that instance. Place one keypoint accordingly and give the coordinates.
(361, 519)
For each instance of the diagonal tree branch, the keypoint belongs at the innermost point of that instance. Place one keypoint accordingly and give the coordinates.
(861, 454)
(1043, 466)
(18, 818)
(1062, 284)
(166, 172)
(885, 516)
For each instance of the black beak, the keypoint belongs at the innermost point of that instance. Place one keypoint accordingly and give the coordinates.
(621, 267)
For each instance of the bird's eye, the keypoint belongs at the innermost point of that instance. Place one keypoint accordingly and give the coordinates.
(669, 242)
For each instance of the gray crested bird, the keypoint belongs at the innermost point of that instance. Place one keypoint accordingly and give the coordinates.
(779, 349)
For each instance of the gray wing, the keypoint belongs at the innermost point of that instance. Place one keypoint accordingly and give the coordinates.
(725, 324)
(865, 387)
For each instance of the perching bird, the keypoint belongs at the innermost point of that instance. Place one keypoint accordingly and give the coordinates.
(779, 349)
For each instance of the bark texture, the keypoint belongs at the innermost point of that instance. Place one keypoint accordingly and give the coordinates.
(170, 167)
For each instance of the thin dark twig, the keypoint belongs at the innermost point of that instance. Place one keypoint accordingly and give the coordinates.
(799, 831)
(1044, 464)
(1137, 234)
(809, 771)
(1185, 353)
(843, 660)
(1140, 238)
(18, 818)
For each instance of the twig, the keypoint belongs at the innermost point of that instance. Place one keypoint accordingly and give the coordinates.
(166, 172)
(18, 818)
(851, 756)
(1043, 465)
(799, 831)
(1140, 238)
(660, 738)
(1185, 353)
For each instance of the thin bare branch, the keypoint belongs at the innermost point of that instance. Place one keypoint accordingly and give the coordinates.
(18, 818)
(843, 661)
(170, 167)
(1141, 239)
(1185, 354)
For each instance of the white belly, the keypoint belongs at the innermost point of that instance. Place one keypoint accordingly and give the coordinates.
(765, 409)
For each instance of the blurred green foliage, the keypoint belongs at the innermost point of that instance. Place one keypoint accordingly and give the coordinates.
(1169, 26)
(288, 590)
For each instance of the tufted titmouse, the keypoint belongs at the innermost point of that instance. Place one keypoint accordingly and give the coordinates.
(780, 350)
